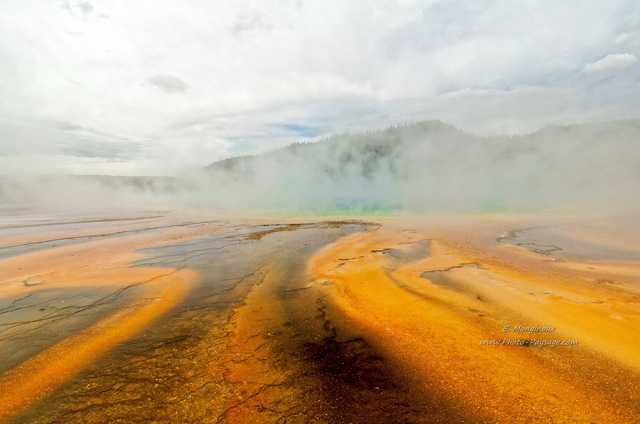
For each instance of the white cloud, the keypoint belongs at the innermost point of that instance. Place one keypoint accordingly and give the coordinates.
(259, 67)
(612, 64)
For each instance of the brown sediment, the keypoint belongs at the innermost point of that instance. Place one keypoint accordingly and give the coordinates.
(380, 326)
(248, 345)
(286, 362)
(432, 332)
(40, 375)
(259, 234)
(85, 267)
(102, 262)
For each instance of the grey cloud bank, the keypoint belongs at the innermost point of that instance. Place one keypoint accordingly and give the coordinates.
(190, 85)
(168, 83)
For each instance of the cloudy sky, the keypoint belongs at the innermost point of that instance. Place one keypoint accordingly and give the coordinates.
(152, 87)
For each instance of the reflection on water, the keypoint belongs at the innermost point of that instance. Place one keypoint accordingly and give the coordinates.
(551, 241)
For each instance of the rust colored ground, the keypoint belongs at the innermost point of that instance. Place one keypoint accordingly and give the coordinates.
(103, 263)
(429, 316)
(40, 375)
(278, 321)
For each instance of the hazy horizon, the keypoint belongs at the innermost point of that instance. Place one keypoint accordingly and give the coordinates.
(425, 167)
(319, 139)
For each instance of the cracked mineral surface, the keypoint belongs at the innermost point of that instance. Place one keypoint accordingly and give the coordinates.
(181, 317)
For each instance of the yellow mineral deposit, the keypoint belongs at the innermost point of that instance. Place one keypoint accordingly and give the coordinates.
(464, 321)
(86, 265)
(432, 330)
(43, 373)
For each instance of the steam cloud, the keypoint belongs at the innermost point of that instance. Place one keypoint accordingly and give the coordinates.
(422, 167)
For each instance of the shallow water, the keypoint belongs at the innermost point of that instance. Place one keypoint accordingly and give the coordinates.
(549, 240)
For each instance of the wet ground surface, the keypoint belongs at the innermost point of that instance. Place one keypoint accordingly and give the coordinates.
(34, 321)
(549, 240)
(310, 322)
(195, 364)
(68, 232)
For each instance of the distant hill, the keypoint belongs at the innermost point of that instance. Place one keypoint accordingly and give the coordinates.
(347, 155)
(434, 166)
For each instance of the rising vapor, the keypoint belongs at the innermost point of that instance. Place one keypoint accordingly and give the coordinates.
(420, 167)
(431, 166)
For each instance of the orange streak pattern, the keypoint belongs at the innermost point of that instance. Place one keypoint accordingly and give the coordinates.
(41, 374)
(432, 332)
